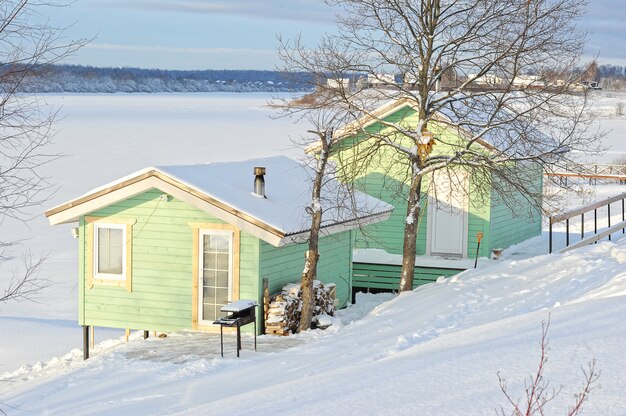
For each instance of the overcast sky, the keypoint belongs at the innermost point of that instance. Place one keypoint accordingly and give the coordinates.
(241, 34)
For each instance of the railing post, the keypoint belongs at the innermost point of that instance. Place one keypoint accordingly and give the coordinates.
(550, 237)
(608, 207)
(623, 214)
(567, 232)
(595, 222)
(582, 226)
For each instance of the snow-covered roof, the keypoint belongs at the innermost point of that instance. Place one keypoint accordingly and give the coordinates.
(225, 190)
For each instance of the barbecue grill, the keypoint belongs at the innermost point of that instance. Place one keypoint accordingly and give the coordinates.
(242, 312)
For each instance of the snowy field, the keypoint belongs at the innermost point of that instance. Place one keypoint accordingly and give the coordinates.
(444, 354)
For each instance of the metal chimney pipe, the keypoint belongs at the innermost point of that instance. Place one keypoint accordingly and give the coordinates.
(259, 181)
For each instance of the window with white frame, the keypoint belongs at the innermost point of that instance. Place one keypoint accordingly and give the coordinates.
(109, 251)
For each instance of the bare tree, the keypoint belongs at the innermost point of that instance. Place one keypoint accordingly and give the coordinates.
(332, 200)
(590, 73)
(315, 211)
(446, 48)
(28, 43)
(322, 137)
(538, 393)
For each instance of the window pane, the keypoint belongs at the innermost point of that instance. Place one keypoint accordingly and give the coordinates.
(209, 294)
(208, 244)
(210, 261)
(221, 296)
(209, 277)
(110, 250)
(209, 312)
(222, 279)
(222, 261)
(220, 243)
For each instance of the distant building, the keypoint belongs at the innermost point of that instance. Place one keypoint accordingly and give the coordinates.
(527, 81)
(487, 79)
(410, 79)
(338, 83)
(381, 79)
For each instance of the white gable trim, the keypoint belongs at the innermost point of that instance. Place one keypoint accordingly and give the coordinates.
(74, 212)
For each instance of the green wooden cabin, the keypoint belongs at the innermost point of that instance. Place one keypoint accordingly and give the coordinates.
(456, 204)
(165, 248)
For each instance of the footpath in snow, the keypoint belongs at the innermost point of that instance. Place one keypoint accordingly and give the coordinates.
(434, 351)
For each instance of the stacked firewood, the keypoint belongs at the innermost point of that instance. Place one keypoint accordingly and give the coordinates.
(285, 308)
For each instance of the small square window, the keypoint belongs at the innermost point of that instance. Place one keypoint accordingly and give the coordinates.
(110, 251)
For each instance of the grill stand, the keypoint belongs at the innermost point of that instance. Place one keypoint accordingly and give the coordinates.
(243, 313)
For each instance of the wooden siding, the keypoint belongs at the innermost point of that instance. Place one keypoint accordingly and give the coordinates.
(284, 265)
(388, 235)
(479, 221)
(387, 277)
(512, 226)
(162, 264)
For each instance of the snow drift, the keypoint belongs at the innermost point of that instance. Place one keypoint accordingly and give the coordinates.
(434, 351)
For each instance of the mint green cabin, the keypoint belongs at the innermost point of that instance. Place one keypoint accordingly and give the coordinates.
(165, 248)
(455, 205)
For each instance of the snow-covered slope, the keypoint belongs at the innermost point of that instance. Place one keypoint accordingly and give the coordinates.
(434, 351)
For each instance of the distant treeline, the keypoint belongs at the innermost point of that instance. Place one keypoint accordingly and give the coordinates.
(86, 79)
(612, 77)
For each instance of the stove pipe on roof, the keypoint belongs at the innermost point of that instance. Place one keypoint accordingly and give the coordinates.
(259, 181)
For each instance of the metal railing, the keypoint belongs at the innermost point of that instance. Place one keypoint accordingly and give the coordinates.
(592, 172)
(611, 229)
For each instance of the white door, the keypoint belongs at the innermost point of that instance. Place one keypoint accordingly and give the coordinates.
(447, 214)
(215, 274)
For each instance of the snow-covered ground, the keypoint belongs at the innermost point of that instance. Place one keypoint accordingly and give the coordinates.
(609, 123)
(441, 357)
(437, 350)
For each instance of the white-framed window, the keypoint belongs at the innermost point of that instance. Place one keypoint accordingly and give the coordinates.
(108, 251)
(109, 259)
(216, 273)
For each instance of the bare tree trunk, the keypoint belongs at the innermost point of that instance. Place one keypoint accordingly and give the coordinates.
(410, 234)
(312, 255)
(309, 274)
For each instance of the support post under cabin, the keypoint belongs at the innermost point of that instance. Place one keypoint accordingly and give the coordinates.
(85, 342)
